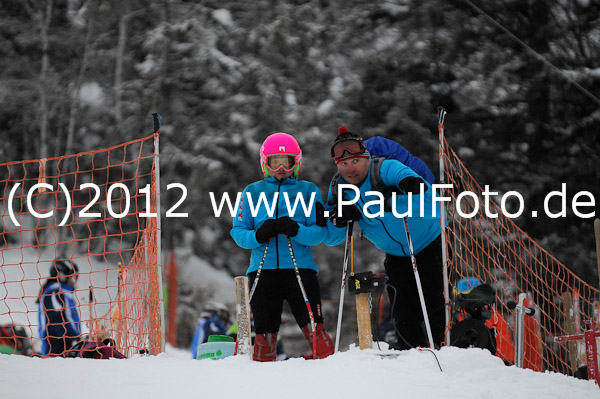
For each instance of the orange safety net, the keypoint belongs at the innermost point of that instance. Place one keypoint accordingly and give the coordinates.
(98, 212)
(499, 253)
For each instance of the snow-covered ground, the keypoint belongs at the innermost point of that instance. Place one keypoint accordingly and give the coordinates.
(467, 373)
(472, 373)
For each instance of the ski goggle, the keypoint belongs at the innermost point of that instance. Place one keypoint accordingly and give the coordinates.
(352, 147)
(281, 162)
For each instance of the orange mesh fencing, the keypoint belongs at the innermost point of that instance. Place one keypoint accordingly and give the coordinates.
(97, 212)
(499, 253)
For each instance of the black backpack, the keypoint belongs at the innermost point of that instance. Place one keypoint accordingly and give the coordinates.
(472, 331)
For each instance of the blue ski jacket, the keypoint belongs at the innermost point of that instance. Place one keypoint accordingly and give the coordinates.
(387, 231)
(387, 148)
(58, 318)
(309, 233)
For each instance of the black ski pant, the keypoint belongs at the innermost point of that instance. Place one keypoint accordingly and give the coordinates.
(275, 286)
(407, 310)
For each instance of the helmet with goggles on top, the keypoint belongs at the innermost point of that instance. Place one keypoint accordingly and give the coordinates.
(348, 145)
(280, 151)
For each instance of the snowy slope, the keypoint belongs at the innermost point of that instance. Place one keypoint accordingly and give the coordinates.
(467, 373)
(471, 373)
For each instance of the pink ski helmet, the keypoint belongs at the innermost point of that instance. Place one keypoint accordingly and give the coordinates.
(280, 144)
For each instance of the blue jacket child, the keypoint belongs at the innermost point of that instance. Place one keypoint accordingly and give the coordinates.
(277, 220)
(278, 254)
(59, 325)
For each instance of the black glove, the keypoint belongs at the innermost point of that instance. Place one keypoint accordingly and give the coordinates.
(320, 215)
(287, 226)
(266, 230)
(412, 184)
(349, 213)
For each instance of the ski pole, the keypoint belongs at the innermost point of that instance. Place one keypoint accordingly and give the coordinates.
(419, 288)
(254, 284)
(349, 229)
(310, 312)
(92, 323)
(262, 262)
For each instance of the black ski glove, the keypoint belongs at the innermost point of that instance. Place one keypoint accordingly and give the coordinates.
(412, 184)
(287, 226)
(349, 213)
(266, 230)
(320, 214)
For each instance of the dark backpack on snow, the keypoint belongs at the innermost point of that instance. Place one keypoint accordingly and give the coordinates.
(95, 350)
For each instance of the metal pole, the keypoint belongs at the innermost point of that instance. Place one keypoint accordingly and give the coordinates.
(306, 301)
(349, 229)
(259, 271)
(519, 330)
(419, 288)
(442, 114)
(156, 122)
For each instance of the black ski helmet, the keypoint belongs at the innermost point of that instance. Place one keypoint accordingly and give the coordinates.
(62, 270)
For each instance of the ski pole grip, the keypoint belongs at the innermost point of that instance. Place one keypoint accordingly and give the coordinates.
(441, 114)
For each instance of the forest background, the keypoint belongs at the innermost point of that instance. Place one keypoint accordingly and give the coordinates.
(519, 79)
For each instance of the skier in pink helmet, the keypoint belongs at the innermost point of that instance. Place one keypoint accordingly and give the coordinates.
(280, 233)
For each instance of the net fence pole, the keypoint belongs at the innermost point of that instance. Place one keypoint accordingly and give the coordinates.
(442, 114)
(156, 120)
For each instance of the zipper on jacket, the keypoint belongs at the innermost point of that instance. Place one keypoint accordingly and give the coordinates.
(277, 216)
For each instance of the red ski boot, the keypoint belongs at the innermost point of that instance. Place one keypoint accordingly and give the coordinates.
(265, 347)
(324, 343)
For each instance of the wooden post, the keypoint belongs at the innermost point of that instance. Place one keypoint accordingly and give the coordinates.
(591, 349)
(363, 319)
(571, 345)
(242, 310)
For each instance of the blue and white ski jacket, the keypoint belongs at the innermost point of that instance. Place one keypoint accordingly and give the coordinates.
(309, 233)
(58, 318)
(387, 232)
